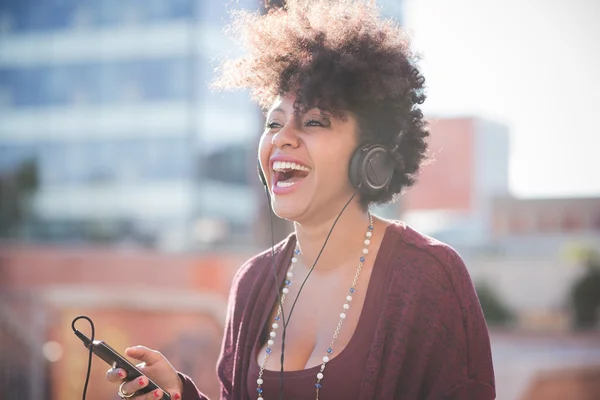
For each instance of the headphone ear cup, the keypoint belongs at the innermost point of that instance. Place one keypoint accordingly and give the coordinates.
(261, 175)
(354, 170)
(371, 169)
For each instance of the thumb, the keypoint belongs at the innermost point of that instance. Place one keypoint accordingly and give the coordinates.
(143, 354)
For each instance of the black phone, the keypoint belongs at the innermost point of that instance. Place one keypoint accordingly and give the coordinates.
(115, 360)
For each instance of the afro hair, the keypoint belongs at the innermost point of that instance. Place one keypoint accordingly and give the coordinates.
(339, 56)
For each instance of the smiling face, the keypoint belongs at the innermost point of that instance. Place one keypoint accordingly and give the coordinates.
(305, 161)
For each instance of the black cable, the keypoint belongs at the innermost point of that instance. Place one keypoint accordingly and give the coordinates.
(283, 335)
(318, 256)
(276, 290)
(91, 340)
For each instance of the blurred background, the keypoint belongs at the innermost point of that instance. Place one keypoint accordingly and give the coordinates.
(128, 190)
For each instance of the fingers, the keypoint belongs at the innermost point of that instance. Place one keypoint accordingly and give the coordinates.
(153, 395)
(115, 375)
(144, 354)
(135, 385)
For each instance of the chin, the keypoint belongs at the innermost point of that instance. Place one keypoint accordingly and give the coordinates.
(292, 203)
(289, 209)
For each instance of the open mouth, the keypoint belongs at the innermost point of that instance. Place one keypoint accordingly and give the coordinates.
(288, 173)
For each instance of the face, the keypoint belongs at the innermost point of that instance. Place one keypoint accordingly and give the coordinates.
(305, 161)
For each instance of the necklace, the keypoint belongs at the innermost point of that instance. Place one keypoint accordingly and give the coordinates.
(342, 316)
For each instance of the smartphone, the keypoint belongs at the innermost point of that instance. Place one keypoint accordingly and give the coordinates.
(115, 360)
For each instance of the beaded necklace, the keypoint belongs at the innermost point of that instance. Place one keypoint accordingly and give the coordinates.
(345, 307)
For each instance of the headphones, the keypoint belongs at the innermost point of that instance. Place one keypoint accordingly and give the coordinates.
(370, 169)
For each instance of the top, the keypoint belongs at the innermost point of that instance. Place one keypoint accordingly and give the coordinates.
(430, 339)
(344, 370)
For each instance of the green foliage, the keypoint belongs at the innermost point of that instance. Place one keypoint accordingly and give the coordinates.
(585, 295)
(16, 188)
(495, 311)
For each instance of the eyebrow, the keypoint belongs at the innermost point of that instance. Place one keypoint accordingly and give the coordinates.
(277, 109)
(322, 113)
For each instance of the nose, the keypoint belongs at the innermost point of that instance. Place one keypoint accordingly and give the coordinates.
(286, 136)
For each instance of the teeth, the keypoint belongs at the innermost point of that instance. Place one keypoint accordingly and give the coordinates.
(285, 183)
(281, 166)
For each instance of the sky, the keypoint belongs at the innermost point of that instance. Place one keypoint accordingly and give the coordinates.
(533, 65)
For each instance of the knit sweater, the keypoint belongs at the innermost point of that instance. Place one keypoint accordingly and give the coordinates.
(431, 340)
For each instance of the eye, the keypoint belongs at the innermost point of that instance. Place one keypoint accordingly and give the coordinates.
(274, 125)
(316, 122)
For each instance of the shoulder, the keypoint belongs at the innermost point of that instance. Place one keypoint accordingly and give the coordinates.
(251, 276)
(432, 277)
(429, 261)
(429, 247)
(256, 266)
(414, 244)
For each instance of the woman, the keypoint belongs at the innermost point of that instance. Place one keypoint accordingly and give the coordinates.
(386, 313)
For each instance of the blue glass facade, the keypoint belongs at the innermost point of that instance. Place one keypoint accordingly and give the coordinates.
(28, 16)
(204, 138)
(109, 82)
(87, 161)
(97, 83)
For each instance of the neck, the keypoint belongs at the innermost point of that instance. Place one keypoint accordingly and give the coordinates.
(344, 244)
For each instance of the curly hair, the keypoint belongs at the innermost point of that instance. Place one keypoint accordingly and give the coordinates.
(338, 56)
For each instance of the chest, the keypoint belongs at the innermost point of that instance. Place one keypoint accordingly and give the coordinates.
(321, 318)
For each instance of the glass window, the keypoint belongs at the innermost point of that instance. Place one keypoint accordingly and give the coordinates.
(107, 12)
(56, 86)
(52, 162)
(6, 21)
(179, 82)
(108, 84)
(33, 15)
(156, 79)
(82, 80)
(228, 164)
(12, 155)
(167, 158)
(80, 162)
(218, 12)
(99, 163)
(180, 8)
(127, 155)
(27, 86)
(58, 13)
(6, 87)
(76, 162)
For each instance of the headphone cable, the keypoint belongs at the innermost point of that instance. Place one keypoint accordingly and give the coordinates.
(91, 340)
(318, 256)
(285, 323)
(283, 319)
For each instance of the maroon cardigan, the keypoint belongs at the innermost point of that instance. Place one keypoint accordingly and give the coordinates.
(431, 340)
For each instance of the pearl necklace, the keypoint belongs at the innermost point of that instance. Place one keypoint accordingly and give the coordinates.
(345, 307)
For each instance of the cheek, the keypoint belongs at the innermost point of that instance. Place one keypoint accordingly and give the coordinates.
(337, 166)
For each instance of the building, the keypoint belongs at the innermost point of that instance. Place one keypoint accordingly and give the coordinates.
(111, 99)
(468, 167)
(528, 250)
(545, 216)
(43, 288)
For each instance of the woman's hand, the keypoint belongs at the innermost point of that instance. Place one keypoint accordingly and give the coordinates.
(154, 366)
